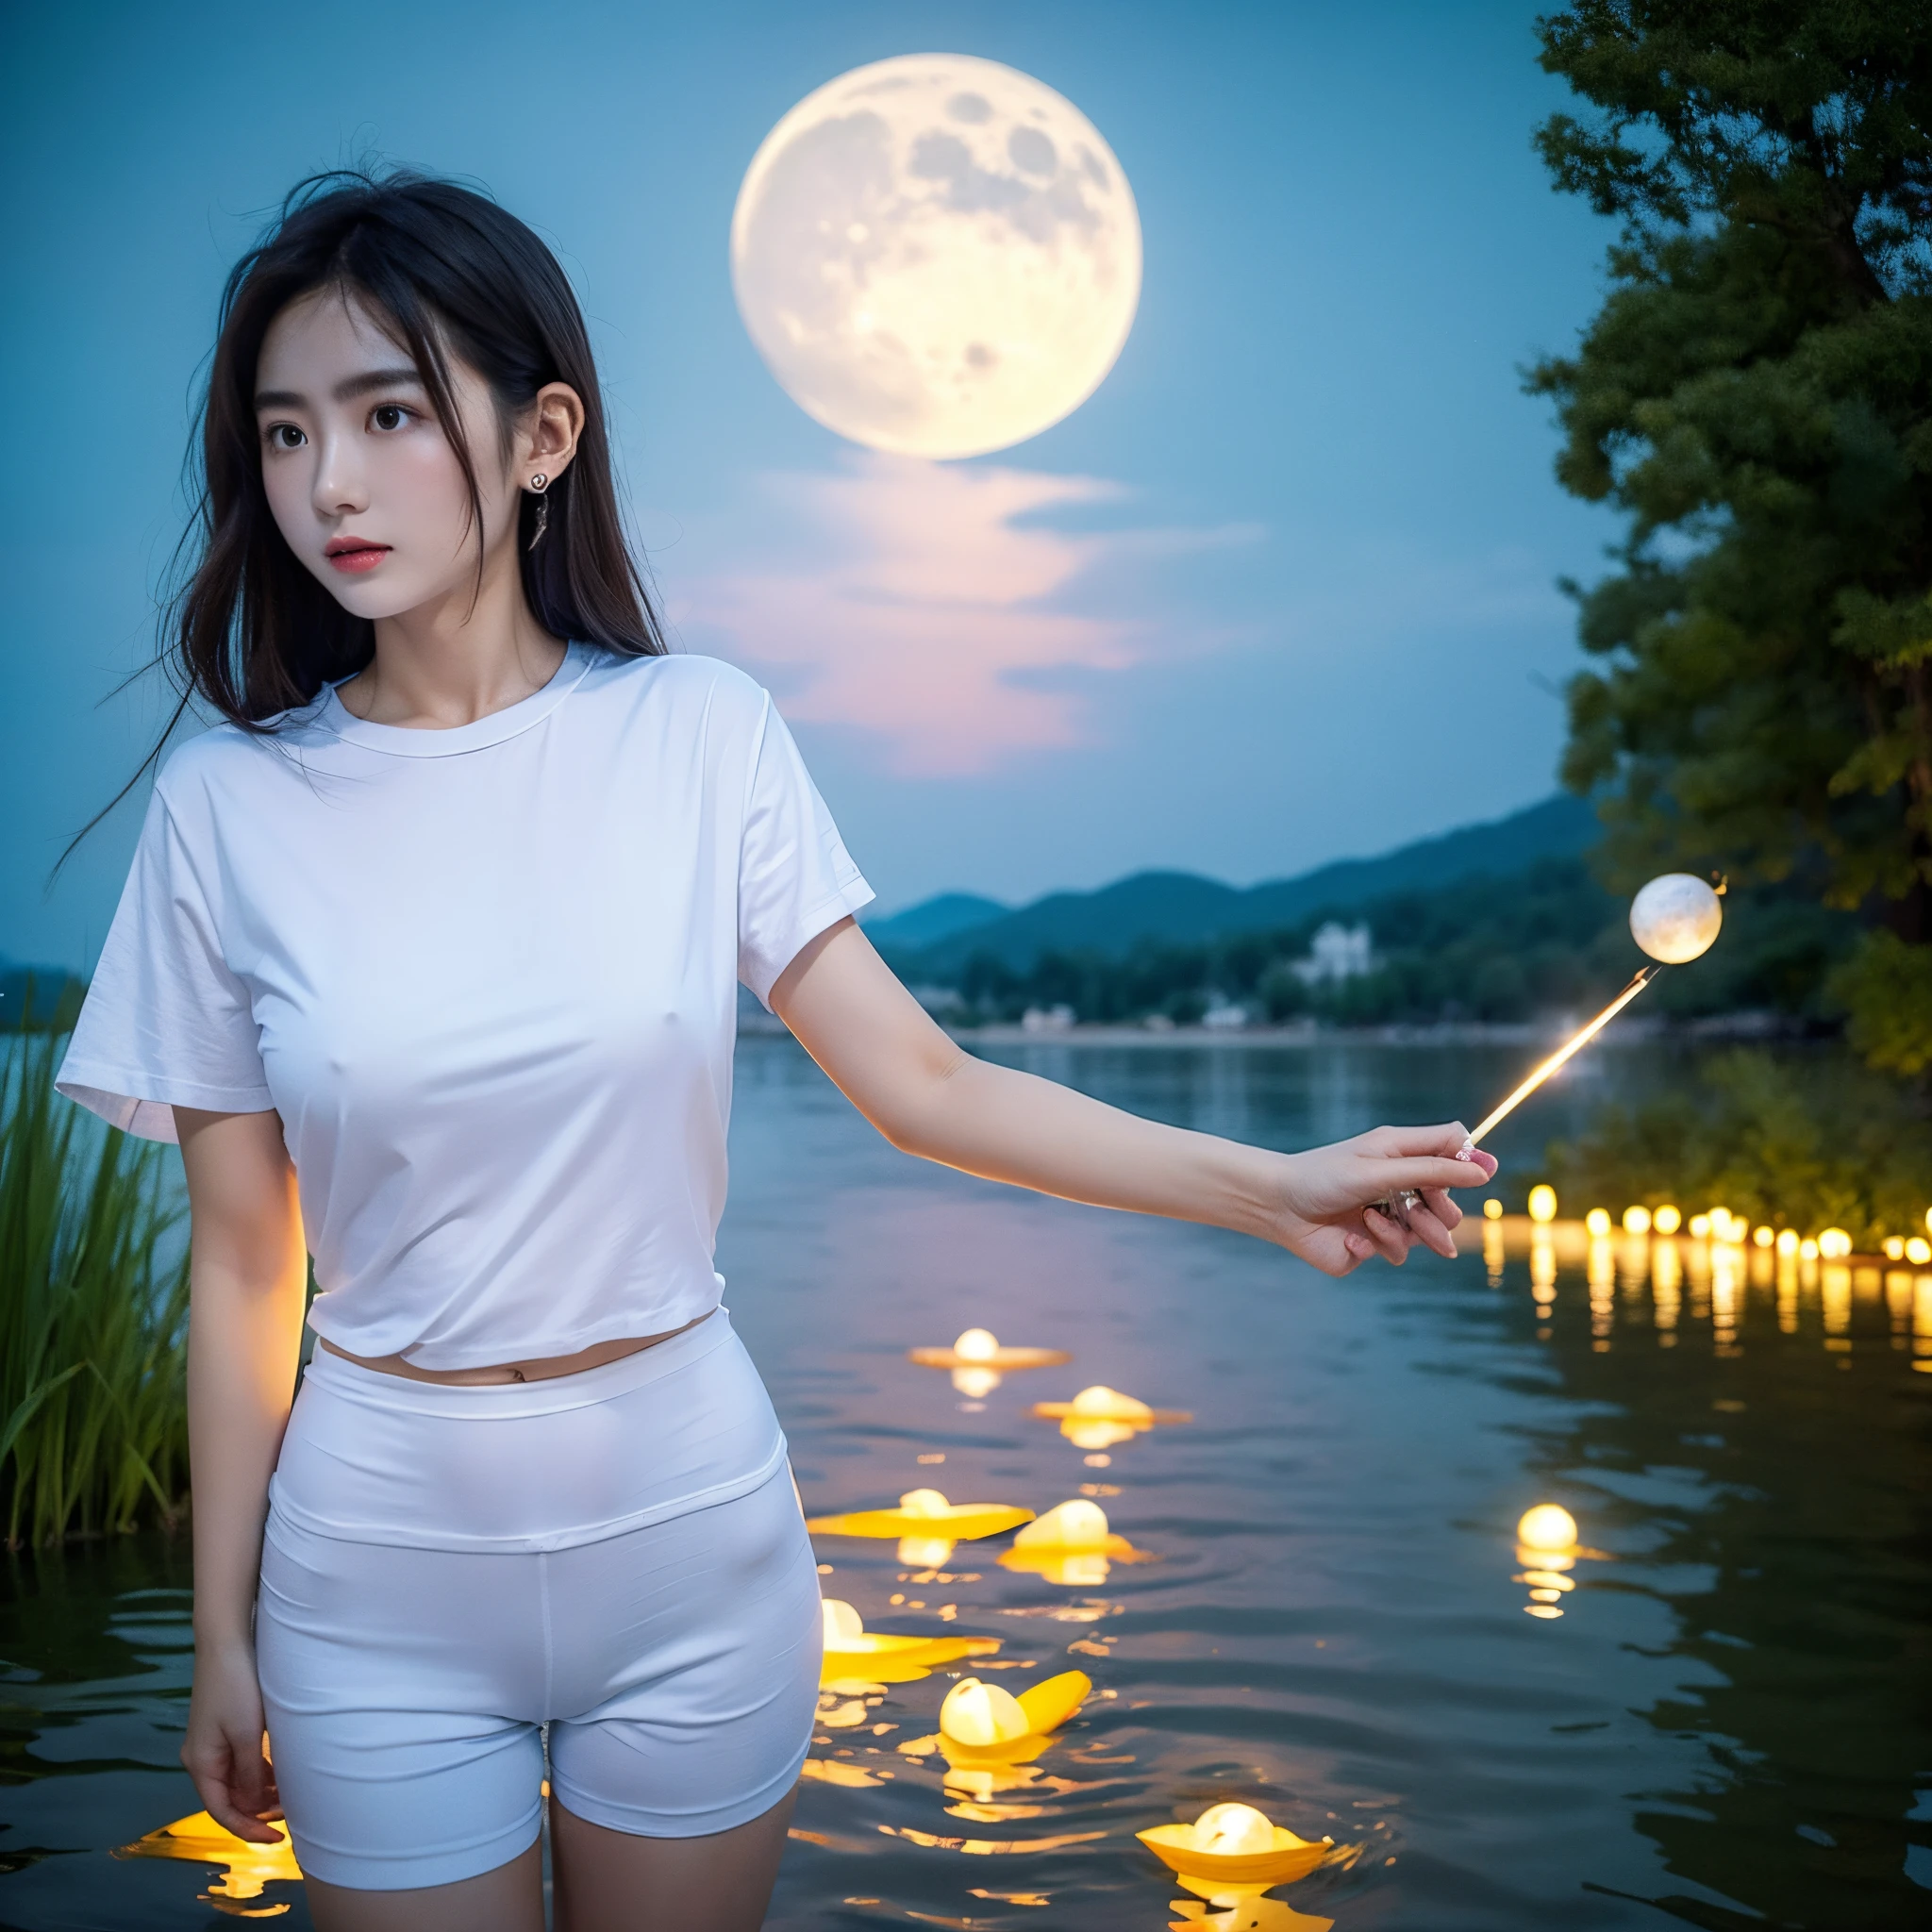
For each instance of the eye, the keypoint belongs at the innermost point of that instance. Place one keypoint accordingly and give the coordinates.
(389, 416)
(285, 436)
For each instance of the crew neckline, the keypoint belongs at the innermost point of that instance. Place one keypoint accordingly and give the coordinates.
(431, 741)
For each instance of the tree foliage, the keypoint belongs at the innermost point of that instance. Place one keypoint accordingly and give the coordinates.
(1786, 1141)
(1755, 395)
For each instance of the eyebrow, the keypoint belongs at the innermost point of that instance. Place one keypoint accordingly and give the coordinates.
(346, 390)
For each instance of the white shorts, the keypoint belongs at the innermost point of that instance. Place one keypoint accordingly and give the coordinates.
(617, 1555)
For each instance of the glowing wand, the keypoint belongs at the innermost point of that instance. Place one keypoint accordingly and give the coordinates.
(1674, 918)
(1572, 1047)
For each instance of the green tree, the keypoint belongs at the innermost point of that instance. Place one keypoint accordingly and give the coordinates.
(1755, 396)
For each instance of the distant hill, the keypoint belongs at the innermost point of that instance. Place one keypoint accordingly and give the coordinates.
(933, 920)
(1186, 908)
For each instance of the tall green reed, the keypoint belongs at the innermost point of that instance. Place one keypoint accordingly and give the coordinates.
(93, 1315)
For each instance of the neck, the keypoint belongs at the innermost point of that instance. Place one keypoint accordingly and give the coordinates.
(459, 656)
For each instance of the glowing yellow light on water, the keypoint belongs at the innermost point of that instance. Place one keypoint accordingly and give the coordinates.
(1834, 1244)
(976, 1345)
(1807, 1249)
(1667, 1220)
(1637, 1221)
(1076, 1525)
(1235, 1852)
(1548, 1527)
(1492, 1209)
(1894, 1247)
(979, 1713)
(1918, 1251)
(1764, 1237)
(1788, 1241)
(1232, 1830)
(1700, 1226)
(1542, 1201)
(1598, 1221)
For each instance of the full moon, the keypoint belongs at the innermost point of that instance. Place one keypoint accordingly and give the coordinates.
(1675, 917)
(937, 256)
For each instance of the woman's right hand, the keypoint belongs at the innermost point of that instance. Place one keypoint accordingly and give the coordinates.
(1324, 1215)
(223, 1752)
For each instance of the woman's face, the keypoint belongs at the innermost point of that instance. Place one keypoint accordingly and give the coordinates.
(365, 486)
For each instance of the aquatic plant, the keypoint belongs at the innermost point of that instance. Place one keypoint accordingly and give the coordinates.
(93, 1316)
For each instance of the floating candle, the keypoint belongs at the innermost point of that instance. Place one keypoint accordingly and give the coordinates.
(1231, 1849)
(982, 1723)
(1100, 1417)
(1548, 1527)
(1073, 1543)
(853, 1653)
(979, 1348)
(924, 1513)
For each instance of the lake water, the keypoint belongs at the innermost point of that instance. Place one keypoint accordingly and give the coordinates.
(1725, 1725)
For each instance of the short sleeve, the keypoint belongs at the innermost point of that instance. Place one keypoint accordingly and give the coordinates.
(795, 875)
(166, 1021)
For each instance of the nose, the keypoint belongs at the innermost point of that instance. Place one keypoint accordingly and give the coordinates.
(341, 489)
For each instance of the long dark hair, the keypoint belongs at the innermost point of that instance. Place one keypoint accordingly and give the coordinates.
(251, 632)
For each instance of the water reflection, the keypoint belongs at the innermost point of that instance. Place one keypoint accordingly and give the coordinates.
(1719, 1728)
(1662, 1282)
(1719, 1436)
(245, 1868)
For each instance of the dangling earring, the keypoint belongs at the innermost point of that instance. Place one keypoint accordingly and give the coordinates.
(540, 483)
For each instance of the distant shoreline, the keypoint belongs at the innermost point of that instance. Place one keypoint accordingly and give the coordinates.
(1721, 1026)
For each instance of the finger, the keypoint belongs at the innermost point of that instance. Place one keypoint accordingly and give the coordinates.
(1428, 1229)
(1442, 1207)
(231, 1817)
(1329, 1249)
(1391, 1242)
(253, 1785)
(1447, 1139)
(1420, 1172)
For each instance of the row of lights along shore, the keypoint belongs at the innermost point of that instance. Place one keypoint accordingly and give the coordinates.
(1720, 1224)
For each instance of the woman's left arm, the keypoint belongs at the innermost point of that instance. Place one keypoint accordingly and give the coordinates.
(928, 1096)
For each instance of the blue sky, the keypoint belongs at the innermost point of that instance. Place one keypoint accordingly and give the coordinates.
(1304, 537)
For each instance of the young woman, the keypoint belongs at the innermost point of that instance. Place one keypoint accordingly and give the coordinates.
(428, 959)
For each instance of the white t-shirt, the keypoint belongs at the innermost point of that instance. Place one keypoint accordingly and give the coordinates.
(487, 976)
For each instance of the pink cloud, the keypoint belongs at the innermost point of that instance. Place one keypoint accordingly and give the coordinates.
(907, 599)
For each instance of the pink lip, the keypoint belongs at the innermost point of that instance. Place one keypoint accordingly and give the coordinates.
(357, 557)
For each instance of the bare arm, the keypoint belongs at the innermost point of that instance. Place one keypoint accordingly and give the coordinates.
(930, 1097)
(248, 1272)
